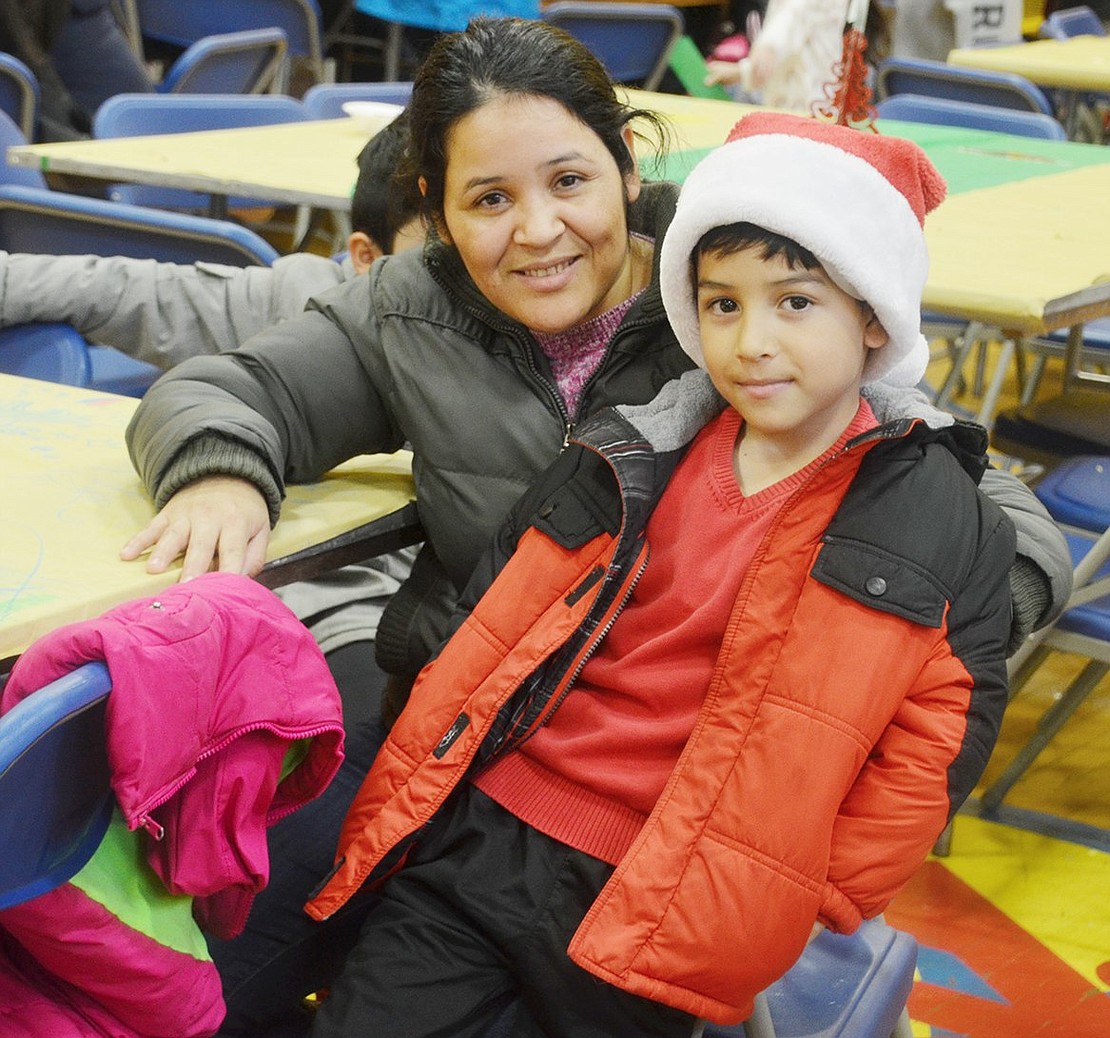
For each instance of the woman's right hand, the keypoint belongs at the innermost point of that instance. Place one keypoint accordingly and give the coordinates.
(219, 522)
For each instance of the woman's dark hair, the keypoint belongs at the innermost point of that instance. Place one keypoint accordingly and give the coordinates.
(496, 57)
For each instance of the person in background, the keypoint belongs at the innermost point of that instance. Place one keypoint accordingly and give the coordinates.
(163, 313)
(79, 55)
(734, 661)
(792, 61)
(534, 303)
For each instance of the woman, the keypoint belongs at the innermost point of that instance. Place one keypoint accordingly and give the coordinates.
(534, 302)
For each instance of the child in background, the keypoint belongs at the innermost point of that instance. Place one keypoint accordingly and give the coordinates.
(734, 662)
(793, 58)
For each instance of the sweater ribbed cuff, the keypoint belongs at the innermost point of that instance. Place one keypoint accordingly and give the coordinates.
(214, 455)
(1030, 596)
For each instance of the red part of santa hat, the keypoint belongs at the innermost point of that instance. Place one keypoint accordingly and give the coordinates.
(902, 162)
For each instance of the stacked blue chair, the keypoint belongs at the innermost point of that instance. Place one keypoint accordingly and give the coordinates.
(1077, 495)
(181, 23)
(246, 62)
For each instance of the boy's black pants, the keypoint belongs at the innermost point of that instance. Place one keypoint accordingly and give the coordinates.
(469, 940)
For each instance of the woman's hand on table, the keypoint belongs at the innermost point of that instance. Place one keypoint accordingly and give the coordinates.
(219, 522)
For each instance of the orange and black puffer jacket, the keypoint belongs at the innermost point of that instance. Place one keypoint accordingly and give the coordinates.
(856, 698)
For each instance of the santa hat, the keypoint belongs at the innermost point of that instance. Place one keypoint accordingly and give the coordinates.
(855, 199)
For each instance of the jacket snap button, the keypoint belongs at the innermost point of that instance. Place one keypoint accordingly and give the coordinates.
(875, 586)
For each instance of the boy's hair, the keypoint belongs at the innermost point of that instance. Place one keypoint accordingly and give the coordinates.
(856, 201)
(730, 238)
(381, 205)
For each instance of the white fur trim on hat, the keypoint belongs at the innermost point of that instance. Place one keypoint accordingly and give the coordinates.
(836, 204)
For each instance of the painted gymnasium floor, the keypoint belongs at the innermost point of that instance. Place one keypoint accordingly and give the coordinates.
(1014, 924)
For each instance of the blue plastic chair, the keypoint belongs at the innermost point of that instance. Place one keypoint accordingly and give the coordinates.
(183, 23)
(943, 111)
(49, 352)
(134, 115)
(326, 100)
(632, 40)
(10, 137)
(1077, 495)
(1071, 21)
(1080, 108)
(979, 86)
(19, 94)
(55, 798)
(247, 62)
(56, 223)
(843, 986)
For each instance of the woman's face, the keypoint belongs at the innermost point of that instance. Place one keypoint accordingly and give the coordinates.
(535, 205)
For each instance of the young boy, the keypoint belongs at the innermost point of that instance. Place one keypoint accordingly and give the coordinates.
(741, 659)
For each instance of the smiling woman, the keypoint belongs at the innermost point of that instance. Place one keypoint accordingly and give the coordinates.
(534, 303)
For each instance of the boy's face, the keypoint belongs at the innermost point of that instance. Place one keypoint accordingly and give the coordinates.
(783, 345)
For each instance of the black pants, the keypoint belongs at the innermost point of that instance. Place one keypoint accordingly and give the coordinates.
(283, 955)
(470, 939)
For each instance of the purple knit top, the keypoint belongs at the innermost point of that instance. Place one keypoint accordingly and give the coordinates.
(575, 354)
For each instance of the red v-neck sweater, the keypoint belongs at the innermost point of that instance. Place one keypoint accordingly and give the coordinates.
(592, 775)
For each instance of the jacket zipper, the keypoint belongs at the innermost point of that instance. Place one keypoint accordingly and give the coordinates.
(157, 832)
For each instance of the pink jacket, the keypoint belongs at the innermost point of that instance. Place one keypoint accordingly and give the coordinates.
(216, 688)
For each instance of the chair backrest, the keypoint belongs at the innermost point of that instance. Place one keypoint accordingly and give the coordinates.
(917, 108)
(326, 100)
(246, 62)
(11, 136)
(979, 86)
(19, 94)
(182, 23)
(58, 223)
(135, 115)
(632, 40)
(48, 351)
(1071, 21)
(55, 798)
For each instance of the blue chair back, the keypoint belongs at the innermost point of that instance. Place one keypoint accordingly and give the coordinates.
(632, 40)
(55, 797)
(56, 223)
(979, 86)
(19, 94)
(917, 108)
(1071, 21)
(183, 23)
(10, 137)
(326, 100)
(48, 351)
(246, 62)
(135, 115)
